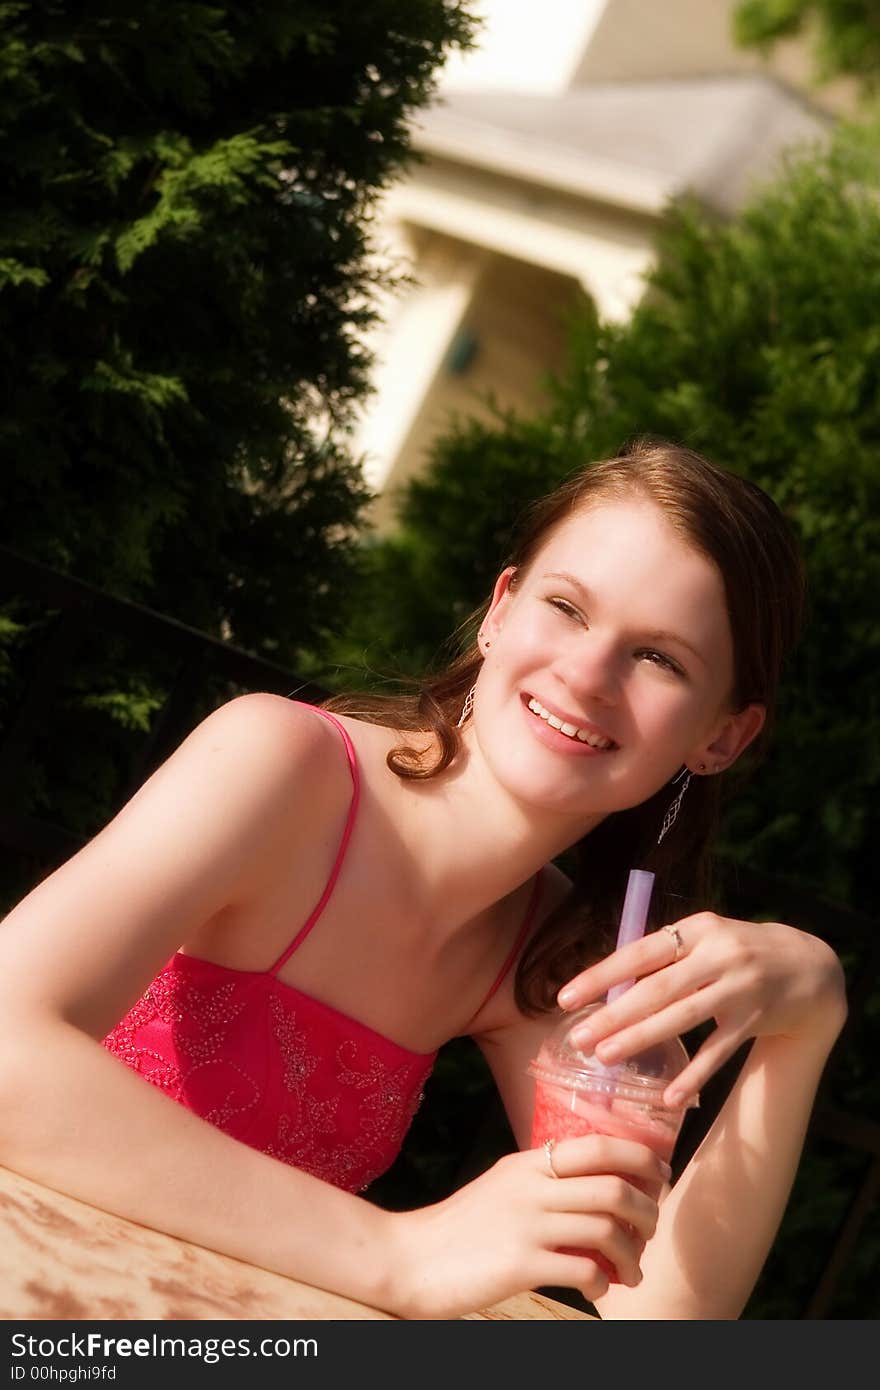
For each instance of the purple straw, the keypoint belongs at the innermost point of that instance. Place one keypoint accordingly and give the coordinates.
(632, 919)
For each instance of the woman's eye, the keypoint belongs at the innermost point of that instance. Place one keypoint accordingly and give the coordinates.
(658, 659)
(563, 606)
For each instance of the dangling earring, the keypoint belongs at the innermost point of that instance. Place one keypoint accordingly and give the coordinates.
(467, 707)
(675, 804)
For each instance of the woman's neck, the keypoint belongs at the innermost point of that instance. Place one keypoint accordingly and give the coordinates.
(469, 843)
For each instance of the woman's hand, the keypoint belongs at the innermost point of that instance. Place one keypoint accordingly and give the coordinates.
(503, 1232)
(753, 979)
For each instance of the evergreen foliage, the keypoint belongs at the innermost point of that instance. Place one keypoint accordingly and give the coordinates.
(847, 33)
(185, 282)
(184, 286)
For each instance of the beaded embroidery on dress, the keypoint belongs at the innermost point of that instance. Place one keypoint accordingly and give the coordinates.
(275, 1068)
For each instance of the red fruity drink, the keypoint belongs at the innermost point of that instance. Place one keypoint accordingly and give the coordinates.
(576, 1095)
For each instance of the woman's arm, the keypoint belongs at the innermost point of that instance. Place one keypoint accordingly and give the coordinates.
(77, 1120)
(767, 981)
(232, 806)
(718, 1223)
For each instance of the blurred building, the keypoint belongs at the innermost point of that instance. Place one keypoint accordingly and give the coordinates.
(547, 164)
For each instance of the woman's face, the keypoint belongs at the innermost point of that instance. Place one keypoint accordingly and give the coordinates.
(620, 630)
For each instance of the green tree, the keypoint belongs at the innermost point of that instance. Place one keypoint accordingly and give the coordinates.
(184, 286)
(185, 282)
(847, 33)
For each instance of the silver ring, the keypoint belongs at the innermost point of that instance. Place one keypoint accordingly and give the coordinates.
(676, 937)
(548, 1149)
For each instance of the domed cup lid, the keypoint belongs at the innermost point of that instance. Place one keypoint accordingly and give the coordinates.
(643, 1076)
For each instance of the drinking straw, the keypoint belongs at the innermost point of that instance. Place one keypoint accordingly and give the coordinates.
(632, 919)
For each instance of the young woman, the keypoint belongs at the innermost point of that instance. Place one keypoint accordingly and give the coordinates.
(218, 1016)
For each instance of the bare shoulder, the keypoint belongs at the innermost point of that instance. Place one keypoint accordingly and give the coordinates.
(260, 725)
(255, 746)
(247, 793)
(256, 775)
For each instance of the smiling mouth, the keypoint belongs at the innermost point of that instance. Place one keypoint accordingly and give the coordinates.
(576, 732)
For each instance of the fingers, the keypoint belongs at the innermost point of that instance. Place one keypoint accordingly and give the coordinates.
(653, 952)
(598, 1233)
(642, 1000)
(592, 1221)
(570, 1271)
(679, 1017)
(715, 1051)
(608, 1195)
(600, 1154)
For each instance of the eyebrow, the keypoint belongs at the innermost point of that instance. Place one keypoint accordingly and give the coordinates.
(660, 635)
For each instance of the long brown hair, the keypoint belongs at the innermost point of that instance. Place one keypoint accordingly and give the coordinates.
(740, 529)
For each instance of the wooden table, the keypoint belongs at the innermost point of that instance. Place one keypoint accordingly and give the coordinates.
(62, 1259)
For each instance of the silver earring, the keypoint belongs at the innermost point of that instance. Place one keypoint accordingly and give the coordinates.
(675, 804)
(468, 707)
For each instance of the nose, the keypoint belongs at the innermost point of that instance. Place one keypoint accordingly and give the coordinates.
(589, 669)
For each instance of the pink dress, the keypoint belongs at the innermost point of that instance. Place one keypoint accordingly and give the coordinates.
(276, 1068)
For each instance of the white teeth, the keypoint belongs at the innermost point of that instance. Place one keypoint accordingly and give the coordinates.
(570, 730)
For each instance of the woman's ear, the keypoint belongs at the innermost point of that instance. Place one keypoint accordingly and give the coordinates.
(501, 595)
(734, 737)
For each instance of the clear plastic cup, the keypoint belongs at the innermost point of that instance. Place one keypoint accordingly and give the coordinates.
(575, 1094)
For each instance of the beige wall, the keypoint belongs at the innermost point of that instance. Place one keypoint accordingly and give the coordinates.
(641, 39)
(606, 246)
(516, 318)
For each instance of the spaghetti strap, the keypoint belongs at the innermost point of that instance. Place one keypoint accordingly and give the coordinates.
(520, 937)
(343, 844)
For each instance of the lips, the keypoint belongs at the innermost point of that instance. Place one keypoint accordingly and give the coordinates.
(583, 733)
